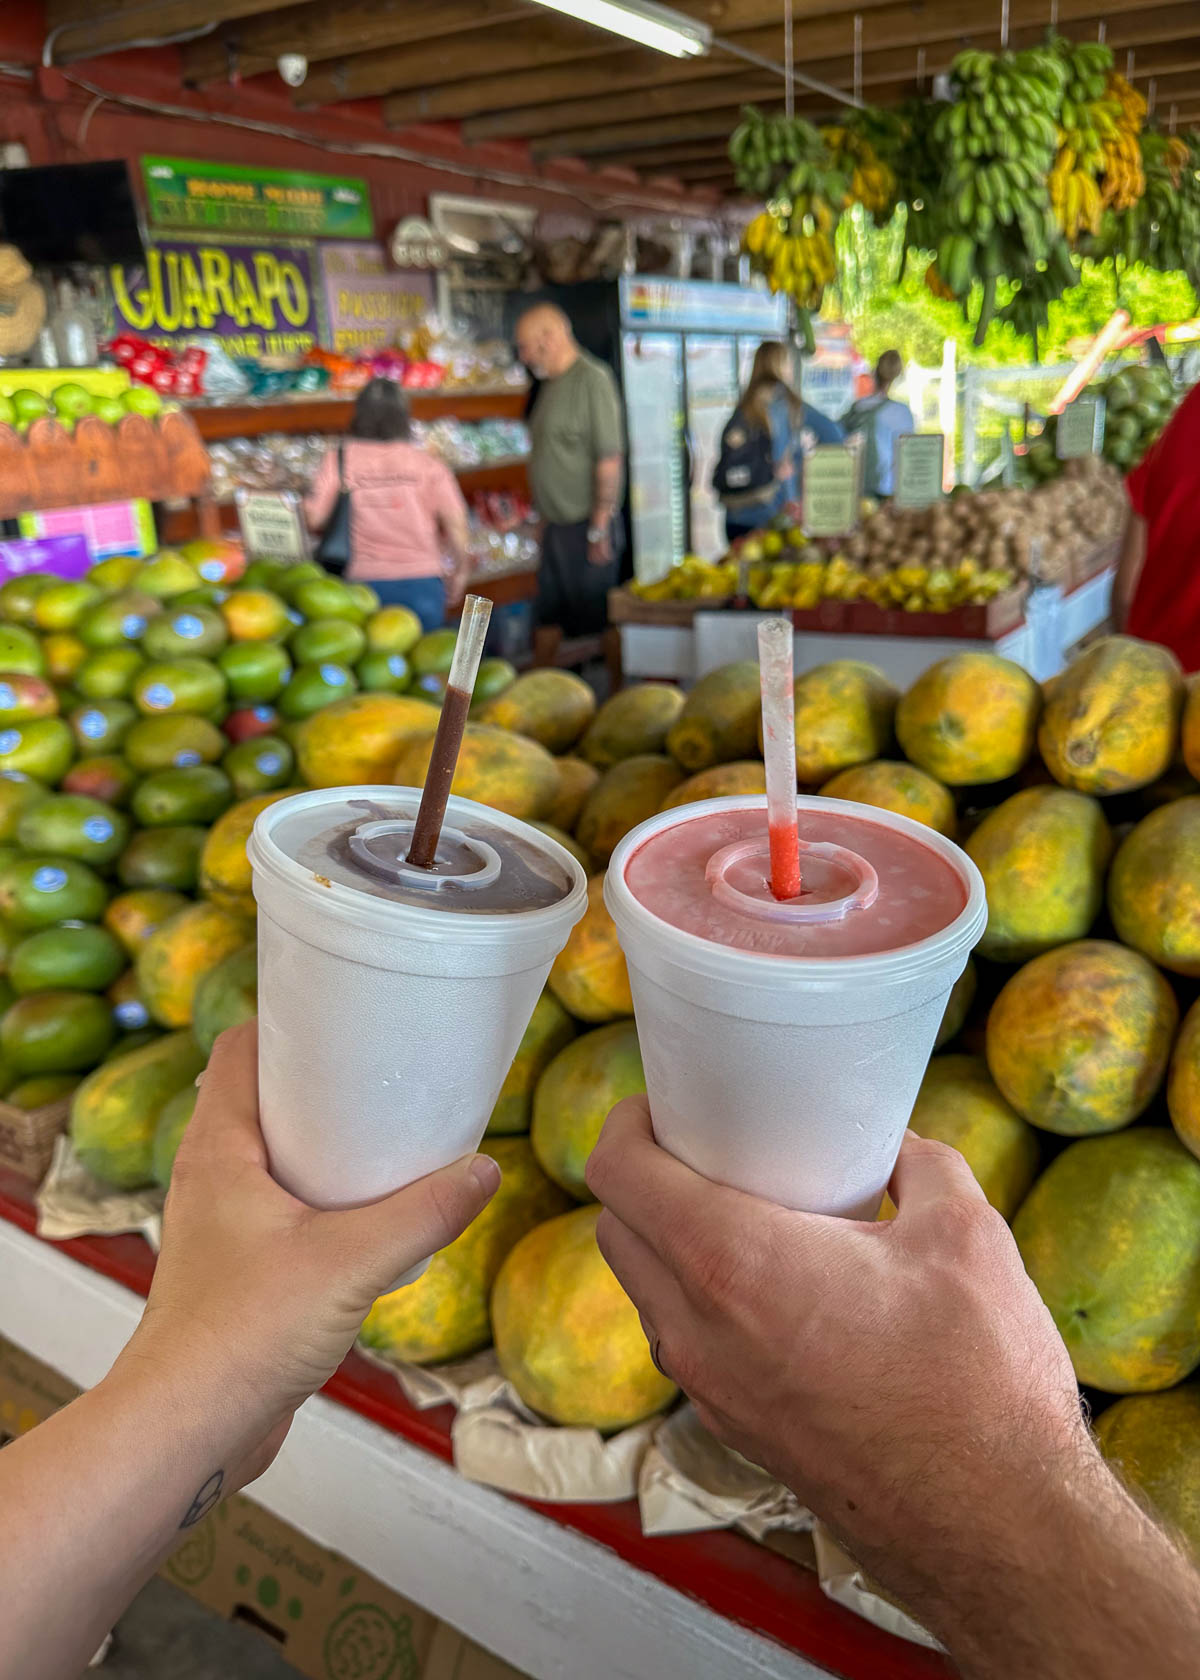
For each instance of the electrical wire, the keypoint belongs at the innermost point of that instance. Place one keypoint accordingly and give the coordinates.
(400, 154)
(124, 46)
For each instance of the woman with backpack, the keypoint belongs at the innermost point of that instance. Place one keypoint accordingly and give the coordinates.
(760, 464)
(881, 419)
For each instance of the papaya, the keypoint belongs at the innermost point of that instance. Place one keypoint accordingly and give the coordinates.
(1112, 722)
(589, 977)
(893, 786)
(844, 715)
(552, 707)
(1078, 1039)
(444, 1314)
(958, 1005)
(168, 1133)
(508, 772)
(567, 1336)
(722, 781)
(56, 1031)
(573, 1098)
(583, 858)
(225, 997)
(549, 1029)
(1190, 728)
(1183, 1082)
(175, 957)
(624, 797)
(115, 1110)
(1152, 1441)
(719, 720)
(224, 867)
(1154, 887)
(969, 719)
(133, 916)
(634, 721)
(1110, 1235)
(1042, 854)
(356, 741)
(576, 779)
(959, 1104)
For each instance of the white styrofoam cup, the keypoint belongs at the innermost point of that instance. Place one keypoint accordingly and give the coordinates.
(385, 1029)
(790, 1078)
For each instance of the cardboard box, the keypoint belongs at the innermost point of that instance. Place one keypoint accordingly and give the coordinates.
(328, 1618)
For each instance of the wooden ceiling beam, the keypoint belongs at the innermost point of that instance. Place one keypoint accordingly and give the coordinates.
(545, 39)
(85, 32)
(642, 102)
(609, 137)
(322, 32)
(666, 157)
(823, 48)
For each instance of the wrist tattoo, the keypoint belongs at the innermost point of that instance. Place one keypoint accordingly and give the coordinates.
(206, 1497)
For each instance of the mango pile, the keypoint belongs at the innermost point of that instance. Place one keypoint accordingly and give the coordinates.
(147, 713)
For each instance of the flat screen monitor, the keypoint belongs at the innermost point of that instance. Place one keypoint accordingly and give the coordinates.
(71, 213)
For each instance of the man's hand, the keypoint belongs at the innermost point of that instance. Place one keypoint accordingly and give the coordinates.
(257, 1295)
(599, 550)
(843, 1357)
(906, 1381)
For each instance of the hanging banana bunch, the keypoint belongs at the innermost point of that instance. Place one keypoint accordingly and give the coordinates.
(1089, 119)
(872, 182)
(1124, 180)
(791, 241)
(998, 142)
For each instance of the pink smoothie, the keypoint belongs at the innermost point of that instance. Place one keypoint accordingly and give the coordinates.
(898, 890)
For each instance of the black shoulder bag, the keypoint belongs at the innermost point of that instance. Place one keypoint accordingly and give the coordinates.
(333, 550)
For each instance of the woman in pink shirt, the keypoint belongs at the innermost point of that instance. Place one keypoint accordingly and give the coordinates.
(406, 510)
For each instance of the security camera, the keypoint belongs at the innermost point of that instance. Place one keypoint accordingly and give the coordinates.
(293, 67)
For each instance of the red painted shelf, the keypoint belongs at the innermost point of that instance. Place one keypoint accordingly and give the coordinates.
(748, 1583)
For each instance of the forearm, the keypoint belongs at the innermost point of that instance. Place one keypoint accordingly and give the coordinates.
(95, 1499)
(1055, 1577)
(606, 488)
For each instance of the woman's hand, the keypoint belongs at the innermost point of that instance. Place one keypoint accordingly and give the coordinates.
(257, 1296)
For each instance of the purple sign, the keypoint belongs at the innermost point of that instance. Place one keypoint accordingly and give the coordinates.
(258, 299)
(66, 557)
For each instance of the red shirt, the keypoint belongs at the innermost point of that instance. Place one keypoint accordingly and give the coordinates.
(1165, 490)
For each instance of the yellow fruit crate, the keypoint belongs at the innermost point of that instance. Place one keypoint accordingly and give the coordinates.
(101, 382)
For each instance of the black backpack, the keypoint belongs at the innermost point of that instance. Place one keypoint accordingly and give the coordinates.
(746, 462)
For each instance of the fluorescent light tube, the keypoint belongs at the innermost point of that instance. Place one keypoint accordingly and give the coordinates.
(641, 21)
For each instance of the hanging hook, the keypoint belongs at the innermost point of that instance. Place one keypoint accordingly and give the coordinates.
(789, 97)
(1129, 63)
(858, 55)
(920, 69)
(1151, 91)
(1101, 31)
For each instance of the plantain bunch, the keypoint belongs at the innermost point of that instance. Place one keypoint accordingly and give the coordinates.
(787, 162)
(872, 182)
(1124, 180)
(918, 163)
(998, 142)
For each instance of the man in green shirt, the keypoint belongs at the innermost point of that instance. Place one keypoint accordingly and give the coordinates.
(576, 467)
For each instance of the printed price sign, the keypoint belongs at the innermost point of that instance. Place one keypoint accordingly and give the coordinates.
(272, 524)
(830, 491)
(919, 460)
(1080, 428)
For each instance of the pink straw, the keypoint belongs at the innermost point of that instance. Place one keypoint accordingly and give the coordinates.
(779, 752)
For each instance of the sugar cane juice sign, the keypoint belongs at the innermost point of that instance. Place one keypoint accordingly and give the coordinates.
(234, 198)
(258, 299)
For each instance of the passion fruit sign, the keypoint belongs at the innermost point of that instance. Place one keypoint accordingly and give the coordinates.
(258, 299)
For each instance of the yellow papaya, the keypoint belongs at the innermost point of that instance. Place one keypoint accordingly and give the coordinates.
(1078, 1039)
(552, 707)
(356, 741)
(1112, 722)
(177, 956)
(719, 720)
(969, 719)
(897, 787)
(573, 1098)
(844, 715)
(634, 720)
(624, 796)
(1042, 854)
(550, 1029)
(1154, 887)
(508, 772)
(444, 1314)
(115, 1111)
(589, 977)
